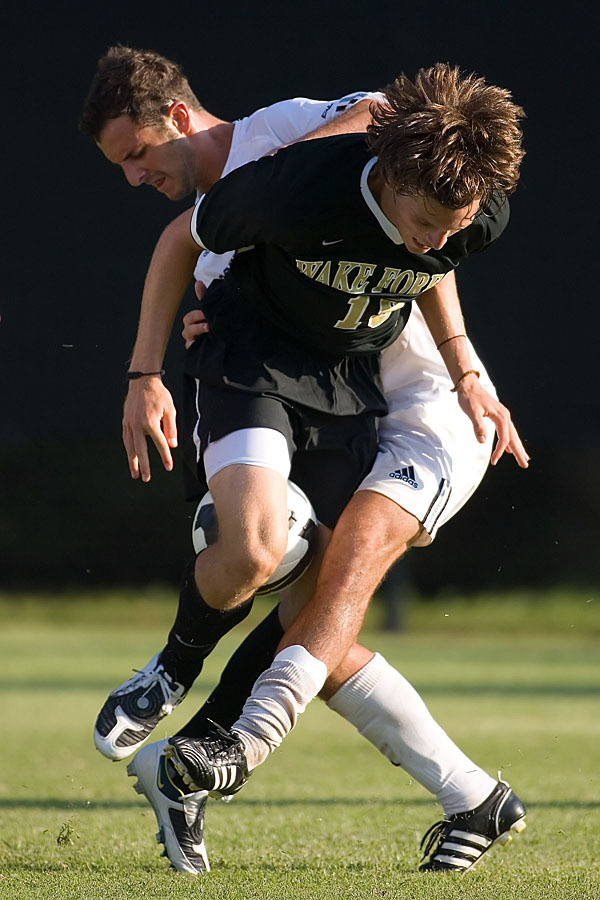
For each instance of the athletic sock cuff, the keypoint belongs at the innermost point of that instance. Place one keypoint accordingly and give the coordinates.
(300, 657)
(352, 694)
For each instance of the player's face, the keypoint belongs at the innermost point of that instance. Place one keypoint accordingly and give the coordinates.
(158, 157)
(425, 224)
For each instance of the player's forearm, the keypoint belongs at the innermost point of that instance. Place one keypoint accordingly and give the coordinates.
(352, 120)
(441, 310)
(170, 271)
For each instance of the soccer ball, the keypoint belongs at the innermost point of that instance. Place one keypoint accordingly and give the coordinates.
(301, 545)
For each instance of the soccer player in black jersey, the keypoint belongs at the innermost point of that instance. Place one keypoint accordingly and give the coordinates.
(376, 290)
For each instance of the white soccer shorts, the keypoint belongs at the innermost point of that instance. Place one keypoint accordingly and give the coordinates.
(429, 460)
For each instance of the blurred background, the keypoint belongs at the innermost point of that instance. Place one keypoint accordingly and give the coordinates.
(77, 240)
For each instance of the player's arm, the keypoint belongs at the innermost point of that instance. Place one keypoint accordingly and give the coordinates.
(353, 120)
(301, 119)
(149, 410)
(441, 309)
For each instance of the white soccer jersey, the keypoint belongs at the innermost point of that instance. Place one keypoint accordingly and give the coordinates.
(429, 461)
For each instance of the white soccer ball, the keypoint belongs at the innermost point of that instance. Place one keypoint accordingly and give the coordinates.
(302, 533)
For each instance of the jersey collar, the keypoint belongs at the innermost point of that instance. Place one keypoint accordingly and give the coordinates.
(391, 230)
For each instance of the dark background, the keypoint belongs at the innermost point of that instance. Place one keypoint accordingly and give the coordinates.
(77, 240)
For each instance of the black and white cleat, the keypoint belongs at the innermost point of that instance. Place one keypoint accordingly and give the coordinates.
(455, 844)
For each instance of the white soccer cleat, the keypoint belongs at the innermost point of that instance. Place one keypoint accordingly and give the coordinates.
(179, 812)
(133, 710)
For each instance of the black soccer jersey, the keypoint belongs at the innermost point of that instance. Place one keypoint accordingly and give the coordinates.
(325, 267)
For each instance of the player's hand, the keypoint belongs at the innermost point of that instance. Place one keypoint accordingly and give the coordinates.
(194, 323)
(149, 411)
(479, 404)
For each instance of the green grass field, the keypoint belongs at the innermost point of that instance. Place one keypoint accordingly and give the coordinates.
(514, 681)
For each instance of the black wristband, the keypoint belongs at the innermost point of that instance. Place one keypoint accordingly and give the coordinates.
(133, 376)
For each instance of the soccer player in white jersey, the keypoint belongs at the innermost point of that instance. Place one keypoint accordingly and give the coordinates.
(430, 458)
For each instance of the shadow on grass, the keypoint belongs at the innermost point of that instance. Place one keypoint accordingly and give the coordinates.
(470, 690)
(68, 805)
(92, 805)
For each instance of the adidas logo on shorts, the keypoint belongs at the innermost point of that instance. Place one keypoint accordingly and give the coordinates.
(406, 474)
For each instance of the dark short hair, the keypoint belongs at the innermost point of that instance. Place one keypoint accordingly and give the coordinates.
(447, 135)
(138, 83)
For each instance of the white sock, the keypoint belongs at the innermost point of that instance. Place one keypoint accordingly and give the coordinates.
(278, 697)
(387, 710)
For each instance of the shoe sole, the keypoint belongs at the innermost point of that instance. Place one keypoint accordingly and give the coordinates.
(107, 747)
(503, 839)
(506, 837)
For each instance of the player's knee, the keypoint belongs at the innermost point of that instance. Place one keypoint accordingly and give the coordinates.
(383, 524)
(252, 561)
(390, 544)
(252, 569)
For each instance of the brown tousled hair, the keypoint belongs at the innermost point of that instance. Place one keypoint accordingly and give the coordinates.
(448, 136)
(138, 83)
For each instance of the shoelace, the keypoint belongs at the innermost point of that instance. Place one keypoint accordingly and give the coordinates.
(149, 679)
(221, 742)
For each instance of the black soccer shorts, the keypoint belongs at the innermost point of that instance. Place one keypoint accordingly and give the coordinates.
(330, 454)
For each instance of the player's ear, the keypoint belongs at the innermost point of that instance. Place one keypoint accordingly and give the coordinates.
(179, 116)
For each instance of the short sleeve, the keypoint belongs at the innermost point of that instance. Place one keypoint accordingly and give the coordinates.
(239, 210)
(488, 225)
(288, 121)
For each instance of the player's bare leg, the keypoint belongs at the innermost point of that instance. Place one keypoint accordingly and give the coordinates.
(355, 660)
(216, 594)
(371, 534)
(218, 589)
(385, 708)
(251, 507)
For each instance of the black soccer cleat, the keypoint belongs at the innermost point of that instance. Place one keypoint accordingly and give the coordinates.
(455, 844)
(134, 709)
(179, 812)
(214, 763)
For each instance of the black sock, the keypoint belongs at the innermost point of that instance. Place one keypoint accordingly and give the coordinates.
(196, 631)
(251, 658)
